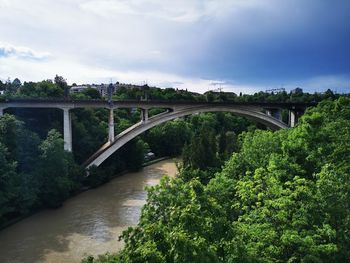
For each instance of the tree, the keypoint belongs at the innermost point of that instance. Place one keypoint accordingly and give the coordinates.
(89, 131)
(2, 85)
(53, 171)
(134, 153)
(10, 128)
(10, 87)
(231, 143)
(329, 93)
(16, 83)
(201, 152)
(8, 189)
(92, 93)
(227, 144)
(28, 89)
(62, 84)
(46, 88)
(168, 139)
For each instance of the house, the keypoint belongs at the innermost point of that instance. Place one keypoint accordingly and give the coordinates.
(101, 88)
(77, 89)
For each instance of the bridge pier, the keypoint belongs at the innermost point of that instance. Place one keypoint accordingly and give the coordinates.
(294, 115)
(292, 118)
(144, 115)
(1, 112)
(111, 126)
(67, 129)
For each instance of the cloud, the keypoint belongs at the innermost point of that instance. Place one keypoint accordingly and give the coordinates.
(247, 45)
(8, 50)
(4, 3)
(75, 72)
(178, 11)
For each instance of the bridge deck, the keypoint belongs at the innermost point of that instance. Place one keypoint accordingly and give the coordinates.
(54, 103)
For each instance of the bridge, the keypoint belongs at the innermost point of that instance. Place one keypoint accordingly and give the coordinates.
(269, 114)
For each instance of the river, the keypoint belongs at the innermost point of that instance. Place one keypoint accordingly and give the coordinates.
(87, 224)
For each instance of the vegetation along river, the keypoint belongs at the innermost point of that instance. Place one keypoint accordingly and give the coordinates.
(87, 224)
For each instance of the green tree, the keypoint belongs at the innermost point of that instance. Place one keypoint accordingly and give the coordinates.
(201, 152)
(168, 139)
(10, 129)
(8, 188)
(89, 132)
(28, 89)
(2, 86)
(21, 143)
(53, 171)
(46, 89)
(134, 153)
(92, 93)
(62, 84)
(16, 83)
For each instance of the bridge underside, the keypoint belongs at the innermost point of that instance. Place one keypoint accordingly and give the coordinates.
(251, 112)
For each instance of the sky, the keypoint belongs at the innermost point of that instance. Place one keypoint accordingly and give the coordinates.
(236, 45)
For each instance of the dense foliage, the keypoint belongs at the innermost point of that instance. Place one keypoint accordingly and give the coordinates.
(283, 197)
(58, 88)
(35, 173)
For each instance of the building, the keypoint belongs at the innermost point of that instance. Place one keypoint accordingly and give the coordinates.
(297, 91)
(275, 91)
(101, 88)
(77, 89)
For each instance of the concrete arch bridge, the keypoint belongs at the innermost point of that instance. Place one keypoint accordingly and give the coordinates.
(268, 114)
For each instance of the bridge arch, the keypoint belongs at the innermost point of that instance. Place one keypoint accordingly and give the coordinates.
(121, 139)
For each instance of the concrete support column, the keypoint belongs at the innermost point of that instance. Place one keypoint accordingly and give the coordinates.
(67, 130)
(292, 118)
(1, 112)
(111, 126)
(144, 115)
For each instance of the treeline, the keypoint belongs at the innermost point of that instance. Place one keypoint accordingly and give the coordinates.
(154, 93)
(282, 197)
(58, 88)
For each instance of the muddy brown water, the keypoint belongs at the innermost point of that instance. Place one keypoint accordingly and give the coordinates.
(87, 224)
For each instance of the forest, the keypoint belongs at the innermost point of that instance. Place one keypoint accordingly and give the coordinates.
(243, 193)
(281, 197)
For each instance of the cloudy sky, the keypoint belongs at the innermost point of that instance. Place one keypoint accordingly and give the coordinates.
(237, 45)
